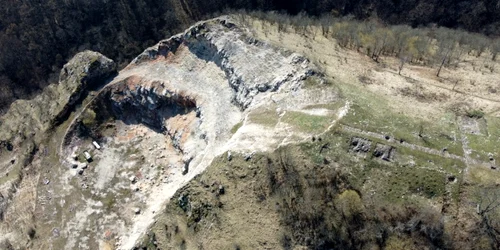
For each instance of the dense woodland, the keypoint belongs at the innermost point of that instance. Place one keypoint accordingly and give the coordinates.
(38, 36)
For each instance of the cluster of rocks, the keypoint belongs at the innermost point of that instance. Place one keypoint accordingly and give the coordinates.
(362, 145)
(381, 151)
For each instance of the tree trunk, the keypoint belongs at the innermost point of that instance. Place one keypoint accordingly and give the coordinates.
(441, 67)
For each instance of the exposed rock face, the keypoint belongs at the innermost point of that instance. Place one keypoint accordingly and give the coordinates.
(30, 118)
(240, 58)
(186, 93)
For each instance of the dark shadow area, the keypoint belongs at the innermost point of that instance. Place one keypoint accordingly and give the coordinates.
(141, 107)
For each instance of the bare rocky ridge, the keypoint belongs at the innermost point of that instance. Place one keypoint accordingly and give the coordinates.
(98, 169)
(157, 124)
(26, 118)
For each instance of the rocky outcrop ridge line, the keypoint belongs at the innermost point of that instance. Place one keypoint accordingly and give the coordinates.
(31, 118)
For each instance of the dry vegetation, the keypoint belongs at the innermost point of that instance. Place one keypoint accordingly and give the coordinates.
(405, 86)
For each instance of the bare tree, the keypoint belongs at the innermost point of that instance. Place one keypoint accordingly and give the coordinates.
(495, 48)
(447, 41)
(402, 62)
(488, 207)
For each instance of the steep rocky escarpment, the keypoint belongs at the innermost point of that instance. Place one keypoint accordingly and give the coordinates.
(150, 105)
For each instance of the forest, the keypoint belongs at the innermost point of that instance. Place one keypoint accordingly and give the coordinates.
(38, 36)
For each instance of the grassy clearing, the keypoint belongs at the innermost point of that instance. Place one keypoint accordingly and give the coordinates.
(482, 146)
(412, 173)
(484, 176)
(372, 113)
(235, 128)
(306, 122)
(334, 106)
(312, 82)
(266, 117)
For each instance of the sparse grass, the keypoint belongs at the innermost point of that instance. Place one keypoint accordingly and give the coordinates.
(267, 117)
(12, 175)
(477, 114)
(306, 122)
(312, 82)
(482, 146)
(372, 113)
(334, 106)
(413, 172)
(236, 127)
(482, 175)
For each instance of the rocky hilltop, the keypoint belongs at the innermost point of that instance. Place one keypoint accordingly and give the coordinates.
(131, 144)
(224, 136)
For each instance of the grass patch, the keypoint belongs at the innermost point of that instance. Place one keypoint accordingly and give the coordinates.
(236, 127)
(334, 106)
(312, 82)
(412, 173)
(482, 146)
(307, 122)
(372, 113)
(267, 117)
(476, 114)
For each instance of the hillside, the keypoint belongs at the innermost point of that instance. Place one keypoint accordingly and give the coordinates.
(244, 133)
(38, 38)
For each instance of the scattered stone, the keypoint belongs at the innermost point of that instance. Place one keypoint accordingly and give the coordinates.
(137, 210)
(445, 150)
(326, 161)
(249, 156)
(384, 152)
(84, 186)
(229, 156)
(46, 181)
(221, 190)
(360, 145)
(85, 166)
(12, 161)
(387, 137)
(80, 172)
(74, 166)
(325, 146)
(132, 179)
(56, 232)
(185, 169)
(452, 178)
(183, 202)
